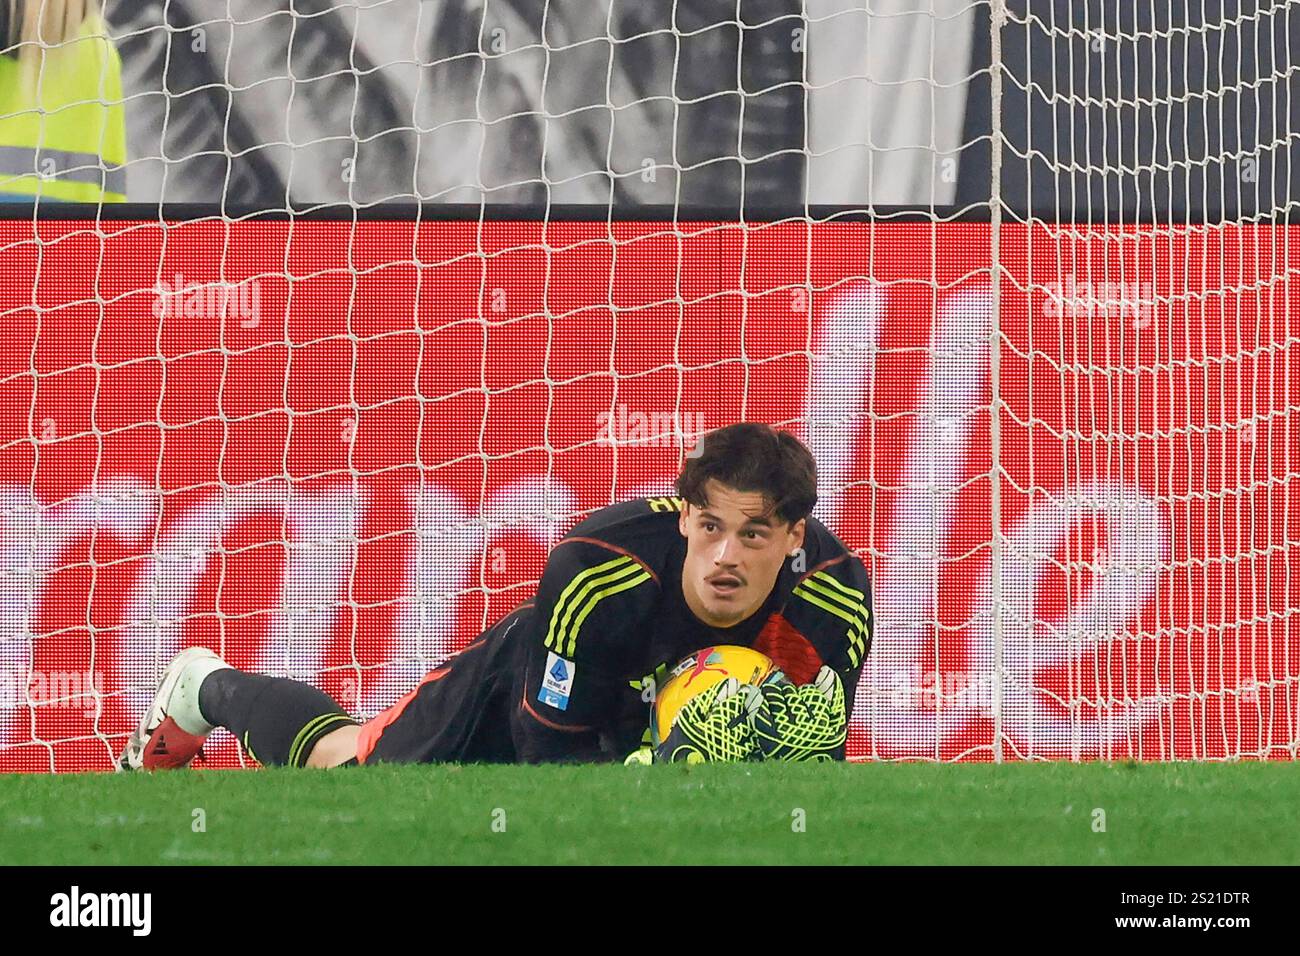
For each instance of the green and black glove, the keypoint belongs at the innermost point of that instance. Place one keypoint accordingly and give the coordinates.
(801, 723)
(714, 726)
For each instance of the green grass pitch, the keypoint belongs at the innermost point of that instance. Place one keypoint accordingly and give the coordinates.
(1244, 813)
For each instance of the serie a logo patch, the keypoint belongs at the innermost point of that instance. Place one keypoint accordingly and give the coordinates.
(557, 682)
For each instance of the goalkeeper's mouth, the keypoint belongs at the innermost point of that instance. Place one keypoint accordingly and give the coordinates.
(724, 585)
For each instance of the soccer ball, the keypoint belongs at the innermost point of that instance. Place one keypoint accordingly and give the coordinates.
(697, 673)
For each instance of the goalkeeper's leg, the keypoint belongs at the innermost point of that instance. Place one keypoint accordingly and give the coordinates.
(456, 713)
(278, 721)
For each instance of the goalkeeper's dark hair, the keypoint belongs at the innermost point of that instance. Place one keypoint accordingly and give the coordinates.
(753, 457)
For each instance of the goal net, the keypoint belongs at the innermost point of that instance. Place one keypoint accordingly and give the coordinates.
(444, 277)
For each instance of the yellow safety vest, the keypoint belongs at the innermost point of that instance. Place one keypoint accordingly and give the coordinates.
(65, 140)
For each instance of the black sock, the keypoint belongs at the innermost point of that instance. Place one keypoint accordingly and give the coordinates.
(278, 721)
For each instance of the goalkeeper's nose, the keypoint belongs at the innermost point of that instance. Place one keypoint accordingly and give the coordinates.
(725, 555)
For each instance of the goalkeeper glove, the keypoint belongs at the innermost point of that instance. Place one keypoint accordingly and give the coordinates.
(801, 723)
(714, 726)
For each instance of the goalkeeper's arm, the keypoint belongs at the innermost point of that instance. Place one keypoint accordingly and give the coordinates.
(832, 608)
(566, 698)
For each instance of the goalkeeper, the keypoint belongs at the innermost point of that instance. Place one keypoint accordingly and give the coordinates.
(735, 558)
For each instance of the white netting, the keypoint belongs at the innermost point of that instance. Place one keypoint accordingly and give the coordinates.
(1020, 273)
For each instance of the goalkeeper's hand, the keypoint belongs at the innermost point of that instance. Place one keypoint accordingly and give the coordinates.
(801, 723)
(715, 725)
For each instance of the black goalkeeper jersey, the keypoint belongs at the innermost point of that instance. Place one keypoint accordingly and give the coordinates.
(565, 676)
(610, 617)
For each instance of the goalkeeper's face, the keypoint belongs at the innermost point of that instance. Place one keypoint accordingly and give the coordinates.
(735, 548)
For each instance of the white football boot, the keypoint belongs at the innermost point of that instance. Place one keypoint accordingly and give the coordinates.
(173, 729)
